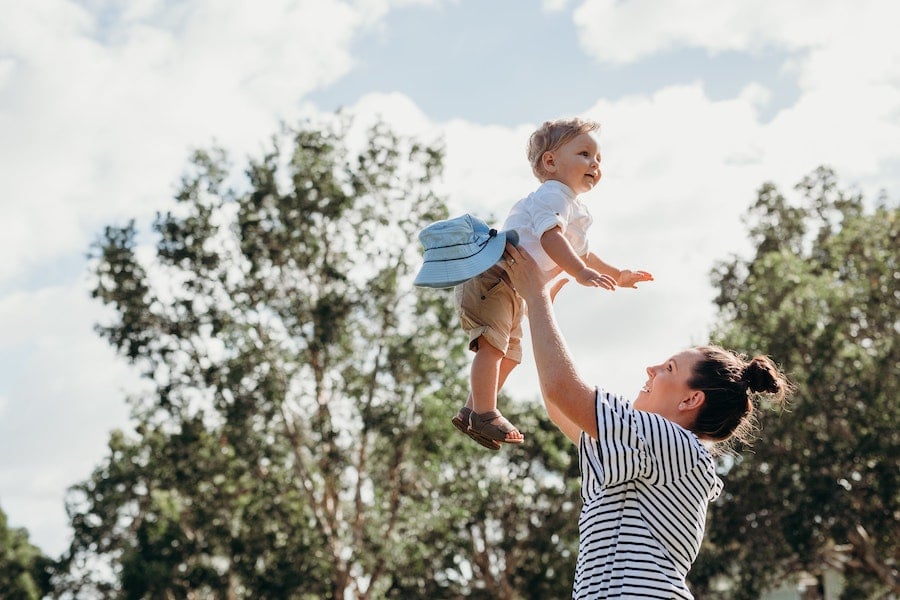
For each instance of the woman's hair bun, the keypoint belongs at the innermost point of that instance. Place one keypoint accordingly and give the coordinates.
(761, 376)
(733, 386)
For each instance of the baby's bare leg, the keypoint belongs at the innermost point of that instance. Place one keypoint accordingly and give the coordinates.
(485, 376)
(490, 370)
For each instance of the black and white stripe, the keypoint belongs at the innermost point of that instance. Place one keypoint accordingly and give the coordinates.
(646, 483)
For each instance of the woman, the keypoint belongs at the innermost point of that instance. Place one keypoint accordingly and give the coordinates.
(647, 476)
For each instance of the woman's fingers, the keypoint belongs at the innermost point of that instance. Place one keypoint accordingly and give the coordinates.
(557, 285)
(527, 279)
(512, 253)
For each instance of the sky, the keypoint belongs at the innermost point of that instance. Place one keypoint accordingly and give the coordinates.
(700, 103)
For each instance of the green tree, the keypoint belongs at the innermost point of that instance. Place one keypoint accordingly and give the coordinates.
(821, 487)
(24, 570)
(296, 440)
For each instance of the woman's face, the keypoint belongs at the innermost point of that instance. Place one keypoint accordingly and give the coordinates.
(667, 385)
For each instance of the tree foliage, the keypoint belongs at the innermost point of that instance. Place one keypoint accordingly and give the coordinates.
(24, 570)
(821, 487)
(296, 440)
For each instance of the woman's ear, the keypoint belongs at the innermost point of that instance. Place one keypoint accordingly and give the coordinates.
(694, 401)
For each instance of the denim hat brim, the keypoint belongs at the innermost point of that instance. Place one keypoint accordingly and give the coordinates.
(458, 249)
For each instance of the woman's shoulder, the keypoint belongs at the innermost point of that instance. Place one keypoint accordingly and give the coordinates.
(617, 401)
(656, 431)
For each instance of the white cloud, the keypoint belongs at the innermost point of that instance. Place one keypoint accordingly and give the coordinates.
(100, 104)
(98, 116)
(843, 58)
(63, 391)
(486, 168)
(484, 165)
(620, 32)
(405, 117)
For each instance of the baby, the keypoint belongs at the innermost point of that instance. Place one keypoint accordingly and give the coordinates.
(552, 224)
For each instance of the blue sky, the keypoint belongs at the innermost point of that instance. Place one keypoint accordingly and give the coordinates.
(701, 101)
(504, 65)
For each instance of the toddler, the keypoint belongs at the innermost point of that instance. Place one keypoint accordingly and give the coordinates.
(551, 224)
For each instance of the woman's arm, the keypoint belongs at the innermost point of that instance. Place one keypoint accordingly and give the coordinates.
(567, 426)
(561, 385)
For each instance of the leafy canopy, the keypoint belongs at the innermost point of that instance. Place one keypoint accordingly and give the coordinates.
(295, 442)
(821, 487)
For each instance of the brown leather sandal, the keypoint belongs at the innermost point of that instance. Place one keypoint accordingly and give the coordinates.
(493, 426)
(461, 422)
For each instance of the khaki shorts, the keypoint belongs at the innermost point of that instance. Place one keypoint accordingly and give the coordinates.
(489, 308)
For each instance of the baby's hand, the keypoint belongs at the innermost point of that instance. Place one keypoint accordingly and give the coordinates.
(591, 278)
(628, 279)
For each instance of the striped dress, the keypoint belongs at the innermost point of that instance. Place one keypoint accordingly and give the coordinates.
(645, 483)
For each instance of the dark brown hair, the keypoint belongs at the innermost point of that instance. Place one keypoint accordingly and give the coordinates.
(731, 384)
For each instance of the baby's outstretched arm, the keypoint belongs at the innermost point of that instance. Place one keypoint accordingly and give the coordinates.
(624, 277)
(558, 248)
(629, 278)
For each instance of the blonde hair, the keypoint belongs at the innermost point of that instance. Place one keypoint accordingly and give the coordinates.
(551, 136)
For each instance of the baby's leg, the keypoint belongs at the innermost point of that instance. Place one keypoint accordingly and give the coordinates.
(485, 376)
(506, 367)
(489, 372)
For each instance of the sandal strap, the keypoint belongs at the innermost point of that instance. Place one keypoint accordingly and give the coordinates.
(483, 424)
(486, 417)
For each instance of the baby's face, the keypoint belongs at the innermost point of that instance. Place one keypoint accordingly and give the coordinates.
(576, 163)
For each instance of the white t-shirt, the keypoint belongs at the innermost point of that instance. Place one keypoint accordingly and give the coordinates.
(646, 483)
(553, 203)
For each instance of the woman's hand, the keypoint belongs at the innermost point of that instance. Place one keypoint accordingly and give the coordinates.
(557, 285)
(526, 278)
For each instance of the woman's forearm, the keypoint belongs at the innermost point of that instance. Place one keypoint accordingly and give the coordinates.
(566, 425)
(561, 384)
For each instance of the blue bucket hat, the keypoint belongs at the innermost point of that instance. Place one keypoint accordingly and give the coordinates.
(458, 249)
